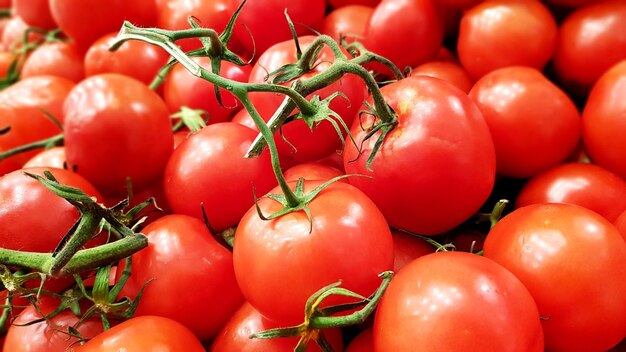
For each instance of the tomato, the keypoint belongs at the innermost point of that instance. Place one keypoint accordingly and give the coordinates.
(235, 336)
(113, 115)
(603, 124)
(407, 32)
(363, 342)
(144, 334)
(342, 3)
(194, 282)
(13, 33)
(313, 171)
(21, 197)
(6, 60)
(193, 180)
(436, 167)
(62, 59)
(36, 13)
(184, 89)
(587, 185)
(457, 4)
(99, 59)
(501, 33)
(559, 251)
(53, 157)
(456, 301)
(590, 41)
(50, 335)
(468, 241)
(450, 72)
(306, 145)
(620, 224)
(533, 123)
(44, 92)
(407, 248)
(347, 21)
(280, 263)
(570, 3)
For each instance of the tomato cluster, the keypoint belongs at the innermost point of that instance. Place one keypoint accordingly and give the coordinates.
(231, 175)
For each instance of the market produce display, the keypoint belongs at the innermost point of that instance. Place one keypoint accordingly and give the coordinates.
(319, 175)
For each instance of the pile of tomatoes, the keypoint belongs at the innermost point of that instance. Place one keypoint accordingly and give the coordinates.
(473, 148)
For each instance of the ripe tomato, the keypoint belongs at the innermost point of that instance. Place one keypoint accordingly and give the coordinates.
(62, 59)
(116, 128)
(533, 123)
(313, 171)
(22, 197)
(192, 178)
(620, 224)
(407, 248)
(456, 301)
(194, 282)
(342, 3)
(363, 342)
(53, 157)
(559, 251)
(144, 334)
(587, 185)
(349, 22)
(450, 72)
(603, 124)
(501, 33)
(436, 167)
(99, 59)
(36, 13)
(590, 41)
(293, 260)
(13, 33)
(235, 336)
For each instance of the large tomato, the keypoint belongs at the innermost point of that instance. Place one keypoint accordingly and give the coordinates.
(116, 130)
(279, 263)
(559, 252)
(436, 167)
(456, 301)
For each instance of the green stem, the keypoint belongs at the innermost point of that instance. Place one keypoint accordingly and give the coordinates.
(88, 224)
(44, 143)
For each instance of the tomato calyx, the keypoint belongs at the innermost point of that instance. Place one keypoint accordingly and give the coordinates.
(496, 213)
(193, 119)
(317, 318)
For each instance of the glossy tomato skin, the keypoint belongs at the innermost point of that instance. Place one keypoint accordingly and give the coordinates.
(436, 167)
(53, 157)
(456, 301)
(144, 334)
(501, 33)
(293, 261)
(235, 336)
(194, 282)
(23, 200)
(313, 171)
(587, 185)
(99, 59)
(116, 128)
(36, 13)
(202, 165)
(450, 72)
(559, 251)
(349, 22)
(590, 41)
(603, 125)
(62, 59)
(533, 123)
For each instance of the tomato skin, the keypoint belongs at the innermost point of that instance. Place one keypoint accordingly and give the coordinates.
(587, 185)
(456, 301)
(528, 139)
(620, 224)
(235, 336)
(603, 125)
(313, 171)
(501, 33)
(590, 41)
(450, 72)
(343, 3)
(443, 146)
(53, 157)
(99, 59)
(192, 178)
(363, 342)
(61, 59)
(278, 252)
(113, 115)
(144, 334)
(407, 248)
(22, 196)
(548, 246)
(347, 21)
(13, 33)
(36, 13)
(182, 253)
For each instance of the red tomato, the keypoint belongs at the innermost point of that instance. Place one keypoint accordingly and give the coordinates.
(570, 3)
(587, 185)
(116, 128)
(192, 178)
(36, 13)
(13, 33)
(184, 89)
(501, 33)
(457, 4)
(590, 41)
(256, 15)
(436, 167)
(559, 251)
(533, 123)
(603, 124)
(456, 301)
(620, 224)
(177, 243)
(407, 32)
(235, 336)
(349, 22)
(99, 59)
(450, 72)
(342, 3)
(346, 224)
(407, 248)
(6, 60)
(53, 157)
(50, 335)
(144, 334)
(22, 196)
(363, 342)
(62, 59)
(313, 171)
(42, 92)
